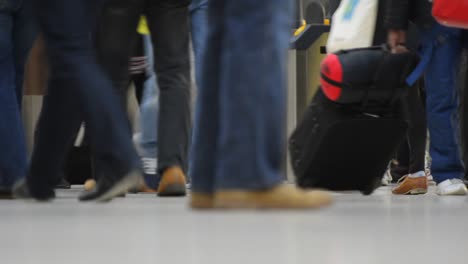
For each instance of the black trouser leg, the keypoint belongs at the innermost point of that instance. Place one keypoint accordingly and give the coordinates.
(169, 25)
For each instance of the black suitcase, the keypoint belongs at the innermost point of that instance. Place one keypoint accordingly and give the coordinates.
(342, 147)
(356, 121)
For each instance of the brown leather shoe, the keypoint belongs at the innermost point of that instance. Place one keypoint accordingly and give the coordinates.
(284, 196)
(412, 186)
(172, 183)
(201, 200)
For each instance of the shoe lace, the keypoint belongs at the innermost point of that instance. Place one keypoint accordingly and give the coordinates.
(402, 179)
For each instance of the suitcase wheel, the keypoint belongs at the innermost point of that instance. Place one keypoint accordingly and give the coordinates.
(369, 189)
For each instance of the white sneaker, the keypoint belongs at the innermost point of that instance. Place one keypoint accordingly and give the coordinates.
(452, 187)
(150, 165)
(387, 178)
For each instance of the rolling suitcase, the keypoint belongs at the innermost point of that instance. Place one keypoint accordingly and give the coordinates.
(338, 148)
(354, 124)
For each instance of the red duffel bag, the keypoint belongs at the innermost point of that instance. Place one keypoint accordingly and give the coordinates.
(451, 13)
(368, 75)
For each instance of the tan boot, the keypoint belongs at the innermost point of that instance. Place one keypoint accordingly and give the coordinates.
(281, 197)
(201, 200)
(172, 182)
(408, 185)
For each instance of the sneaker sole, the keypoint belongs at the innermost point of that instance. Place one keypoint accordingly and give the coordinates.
(417, 191)
(459, 192)
(173, 190)
(132, 180)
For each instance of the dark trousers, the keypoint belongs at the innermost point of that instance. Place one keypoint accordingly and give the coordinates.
(77, 89)
(168, 21)
(17, 33)
(411, 153)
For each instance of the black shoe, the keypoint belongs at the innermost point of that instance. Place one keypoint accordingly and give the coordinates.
(6, 193)
(63, 184)
(21, 191)
(106, 188)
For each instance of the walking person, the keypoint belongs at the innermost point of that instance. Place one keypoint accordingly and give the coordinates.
(18, 29)
(78, 88)
(168, 21)
(240, 110)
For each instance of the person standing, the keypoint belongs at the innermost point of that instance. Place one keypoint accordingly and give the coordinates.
(238, 139)
(440, 49)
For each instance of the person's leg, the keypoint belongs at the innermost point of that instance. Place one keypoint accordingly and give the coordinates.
(243, 170)
(206, 129)
(149, 113)
(74, 69)
(25, 31)
(13, 161)
(400, 166)
(169, 25)
(441, 108)
(252, 95)
(138, 65)
(199, 23)
(115, 38)
(411, 155)
(417, 132)
(54, 136)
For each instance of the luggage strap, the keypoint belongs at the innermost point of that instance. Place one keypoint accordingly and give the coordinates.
(435, 38)
(426, 56)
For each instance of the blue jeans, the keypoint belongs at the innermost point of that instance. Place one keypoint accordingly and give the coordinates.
(78, 89)
(199, 20)
(238, 139)
(17, 33)
(149, 106)
(442, 102)
(149, 113)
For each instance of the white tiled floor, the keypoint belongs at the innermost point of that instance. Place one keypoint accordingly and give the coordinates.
(145, 229)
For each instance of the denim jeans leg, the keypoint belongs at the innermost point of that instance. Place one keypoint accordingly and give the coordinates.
(13, 160)
(205, 136)
(149, 107)
(199, 21)
(25, 30)
(78, 76)
(442, 104)
(252, 96)
(149, 115)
